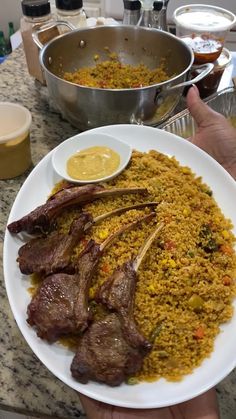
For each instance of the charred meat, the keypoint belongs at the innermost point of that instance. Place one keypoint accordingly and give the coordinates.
(51, 254)
(117, 294)
(43, 217)
(105, 355)
(112, 349)
(60, 306)
(56, 311)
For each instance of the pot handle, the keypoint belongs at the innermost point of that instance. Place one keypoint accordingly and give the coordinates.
(36, 32)
(161, 94)
(207, 68)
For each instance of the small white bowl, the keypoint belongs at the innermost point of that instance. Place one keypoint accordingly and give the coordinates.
(82, 141)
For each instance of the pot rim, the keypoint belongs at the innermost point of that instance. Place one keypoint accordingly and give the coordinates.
(170, 35)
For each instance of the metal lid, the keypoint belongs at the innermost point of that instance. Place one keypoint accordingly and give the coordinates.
(157, 5)
(132, 4)
(69, 4)
(35, 8)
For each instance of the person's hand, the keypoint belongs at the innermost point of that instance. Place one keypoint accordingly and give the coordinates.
(201, 407)
(214, 134)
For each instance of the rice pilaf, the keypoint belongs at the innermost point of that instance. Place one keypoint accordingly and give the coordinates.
(115, 75)
(186, 284)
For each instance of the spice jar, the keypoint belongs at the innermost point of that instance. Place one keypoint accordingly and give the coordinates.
(131, 12)
(36, 13)
(72, 12)
(146, 18)
(156, 14)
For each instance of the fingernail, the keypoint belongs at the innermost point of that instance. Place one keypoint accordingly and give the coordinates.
(196, 89)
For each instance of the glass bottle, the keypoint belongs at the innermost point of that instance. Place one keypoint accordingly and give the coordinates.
(11, 31)
(156, 14)
(72, 12)
(131, 14)
(35, 14)
(3, 45)
(163, 16)
(146, 14)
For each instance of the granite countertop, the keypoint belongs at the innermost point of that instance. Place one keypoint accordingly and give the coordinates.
(26, 385)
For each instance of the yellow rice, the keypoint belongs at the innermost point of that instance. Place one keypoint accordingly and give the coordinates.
(176, 268)
(114, 75)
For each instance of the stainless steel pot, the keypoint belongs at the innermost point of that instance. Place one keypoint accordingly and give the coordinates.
(87, 107)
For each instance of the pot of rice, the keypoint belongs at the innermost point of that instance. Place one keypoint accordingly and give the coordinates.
(117, 74)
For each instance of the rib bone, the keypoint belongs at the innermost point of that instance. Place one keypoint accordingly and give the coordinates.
(43, 217)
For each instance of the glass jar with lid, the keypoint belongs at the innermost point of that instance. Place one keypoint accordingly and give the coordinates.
(36, 13)
(156, 14)
(72, 12)
(131, 12)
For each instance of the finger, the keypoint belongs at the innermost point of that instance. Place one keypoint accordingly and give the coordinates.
(99, 410)
(95, 409)
(198, 109)
(204, 406)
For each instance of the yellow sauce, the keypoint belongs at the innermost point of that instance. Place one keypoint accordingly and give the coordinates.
(93, 163)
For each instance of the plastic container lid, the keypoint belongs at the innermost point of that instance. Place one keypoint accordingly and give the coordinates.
(204, 17)
(15, 121)
(35, 8)
(69, 4)
(132, 5)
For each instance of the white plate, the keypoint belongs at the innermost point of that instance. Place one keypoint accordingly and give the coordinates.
(57, 358)
(74, 144)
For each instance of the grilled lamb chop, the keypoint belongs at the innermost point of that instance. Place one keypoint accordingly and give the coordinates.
(105, 355)
(113, 348)
(52, 253)
(60, 306)
(43, 217)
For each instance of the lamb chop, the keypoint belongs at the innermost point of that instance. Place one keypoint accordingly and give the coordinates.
(52, 253)
(60, 305)
(112, 349)
(42, 218)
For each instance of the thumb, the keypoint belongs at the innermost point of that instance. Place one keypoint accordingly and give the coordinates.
(198, 109)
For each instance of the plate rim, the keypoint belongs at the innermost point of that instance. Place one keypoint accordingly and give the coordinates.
(85, 389)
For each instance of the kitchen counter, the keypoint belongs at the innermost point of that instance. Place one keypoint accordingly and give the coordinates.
(26, 385)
